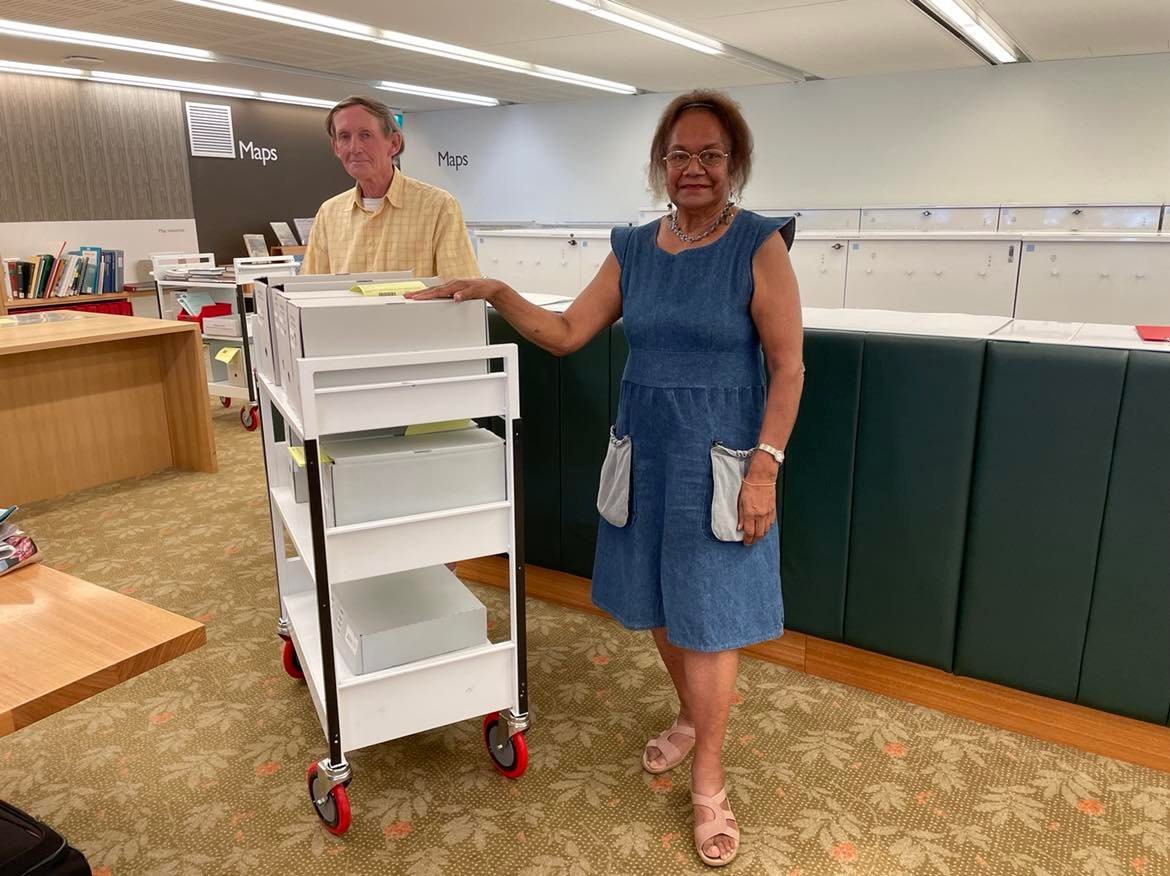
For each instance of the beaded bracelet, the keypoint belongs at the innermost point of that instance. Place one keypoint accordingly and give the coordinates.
(760, 483)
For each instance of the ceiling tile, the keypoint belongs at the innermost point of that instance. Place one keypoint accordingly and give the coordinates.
(1051, 29)
(845, 38)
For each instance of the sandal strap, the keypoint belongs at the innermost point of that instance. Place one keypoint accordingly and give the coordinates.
(669, 750)
(719, 825)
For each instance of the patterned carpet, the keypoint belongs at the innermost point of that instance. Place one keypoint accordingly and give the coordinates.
(197, 767)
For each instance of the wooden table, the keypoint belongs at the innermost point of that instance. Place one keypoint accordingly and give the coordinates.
(89, 398)
(63, 640)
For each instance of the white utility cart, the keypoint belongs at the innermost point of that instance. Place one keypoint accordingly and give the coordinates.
(234, 292)
(360, 393)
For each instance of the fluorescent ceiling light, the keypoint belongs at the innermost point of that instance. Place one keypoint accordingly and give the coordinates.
(154, 82)
(294, 17)
(969, 24)
(300, 101)
(170, 84)
(650, 25)
(41, 70)
(289, 15)
(105, 41)
(441, 94)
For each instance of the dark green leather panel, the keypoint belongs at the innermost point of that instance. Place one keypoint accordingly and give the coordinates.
(1126, 666)
(818, 485)
(585, 422)
(915, 448)
(1042, 459)
(540, 411)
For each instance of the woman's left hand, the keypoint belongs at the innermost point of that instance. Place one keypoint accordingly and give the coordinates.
(757, 509)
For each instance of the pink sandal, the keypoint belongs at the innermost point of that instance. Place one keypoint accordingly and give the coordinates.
(673, 754)
(720, 825)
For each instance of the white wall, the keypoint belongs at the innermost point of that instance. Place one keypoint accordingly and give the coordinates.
(1094, 130)
(137, 238)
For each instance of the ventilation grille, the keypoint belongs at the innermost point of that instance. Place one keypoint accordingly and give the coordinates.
(210, 128)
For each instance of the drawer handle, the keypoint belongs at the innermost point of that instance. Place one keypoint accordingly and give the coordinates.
(1077, 211)
(927, 213)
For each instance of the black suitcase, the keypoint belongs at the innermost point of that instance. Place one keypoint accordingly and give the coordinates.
(31, 848)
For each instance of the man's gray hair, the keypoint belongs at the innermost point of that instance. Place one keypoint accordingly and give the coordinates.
(375, 108)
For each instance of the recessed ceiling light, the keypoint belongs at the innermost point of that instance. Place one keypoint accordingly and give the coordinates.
(650, 25)
(440, 93)
(975, 27)
(84, 38)
(294, 17)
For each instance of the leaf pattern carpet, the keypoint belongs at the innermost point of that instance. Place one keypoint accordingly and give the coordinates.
(197, 767)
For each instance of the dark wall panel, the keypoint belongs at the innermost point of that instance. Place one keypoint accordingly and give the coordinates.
(915, 446)
(1127, 651)
(818, 485)
(1046, 432)
(238, 196)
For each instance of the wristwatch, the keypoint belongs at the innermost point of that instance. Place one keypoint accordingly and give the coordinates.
(777, 455)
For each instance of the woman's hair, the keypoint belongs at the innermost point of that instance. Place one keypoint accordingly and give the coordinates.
(730, 116)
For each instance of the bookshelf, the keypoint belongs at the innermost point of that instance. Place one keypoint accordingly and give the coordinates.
(27, 303)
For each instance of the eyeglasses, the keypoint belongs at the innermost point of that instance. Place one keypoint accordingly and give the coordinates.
(680, 158)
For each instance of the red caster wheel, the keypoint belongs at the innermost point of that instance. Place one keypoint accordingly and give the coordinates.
(250, 417)
(225, 401)
(292, 663)
(510, 756)
(333, 810)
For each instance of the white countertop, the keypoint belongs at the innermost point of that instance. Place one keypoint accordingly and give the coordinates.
(951, 325)
(557, 233)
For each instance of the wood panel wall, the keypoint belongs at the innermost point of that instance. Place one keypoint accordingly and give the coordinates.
(76, 150)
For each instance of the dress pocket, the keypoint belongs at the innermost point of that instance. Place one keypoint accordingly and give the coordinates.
(613, 493)
(728, 468)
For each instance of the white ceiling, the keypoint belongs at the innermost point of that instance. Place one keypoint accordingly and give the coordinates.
(826, 38)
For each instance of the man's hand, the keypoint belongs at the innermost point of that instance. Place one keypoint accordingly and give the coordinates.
(461, 290)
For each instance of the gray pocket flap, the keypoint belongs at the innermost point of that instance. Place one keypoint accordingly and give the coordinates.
(613, 492)
(728, 468)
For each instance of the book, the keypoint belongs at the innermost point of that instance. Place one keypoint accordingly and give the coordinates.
(284, 235)
(255, 245)
(92, 255)
(1153, 332)
(119, 270)
(304, 229)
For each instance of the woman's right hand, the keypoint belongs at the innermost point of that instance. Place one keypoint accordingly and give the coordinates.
(462, 290)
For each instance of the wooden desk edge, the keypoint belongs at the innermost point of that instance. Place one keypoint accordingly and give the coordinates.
(23, 714)
(137, 330)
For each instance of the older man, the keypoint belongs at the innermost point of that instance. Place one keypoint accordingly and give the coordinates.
(387, 221)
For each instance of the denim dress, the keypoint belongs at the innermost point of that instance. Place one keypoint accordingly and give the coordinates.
(694, 378)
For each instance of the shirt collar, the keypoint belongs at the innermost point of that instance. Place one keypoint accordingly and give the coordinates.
(394, 194)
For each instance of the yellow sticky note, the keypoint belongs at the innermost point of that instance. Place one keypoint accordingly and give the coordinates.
(298, 456)
(227, 354)
(398, 287)
(448, 426)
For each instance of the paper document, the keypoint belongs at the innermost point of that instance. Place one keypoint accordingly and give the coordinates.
(398, 287)
(227, 354)
(429, 428)
(298, 456)
(194, 302)
(283, 233)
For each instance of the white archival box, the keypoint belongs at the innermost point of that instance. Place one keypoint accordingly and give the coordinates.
(266, 290)
(383, 477)
(395, 619)
(391, 324)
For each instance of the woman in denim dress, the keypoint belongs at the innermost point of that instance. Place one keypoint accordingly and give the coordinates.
(687, 547)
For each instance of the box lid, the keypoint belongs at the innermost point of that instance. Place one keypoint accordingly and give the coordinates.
(373, 605)
(357, 450)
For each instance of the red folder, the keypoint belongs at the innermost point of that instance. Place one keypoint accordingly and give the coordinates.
(1153, 332)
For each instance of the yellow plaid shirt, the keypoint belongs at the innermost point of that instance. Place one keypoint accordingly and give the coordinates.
(417, 227)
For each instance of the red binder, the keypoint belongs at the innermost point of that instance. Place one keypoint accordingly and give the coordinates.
(1153, 332)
